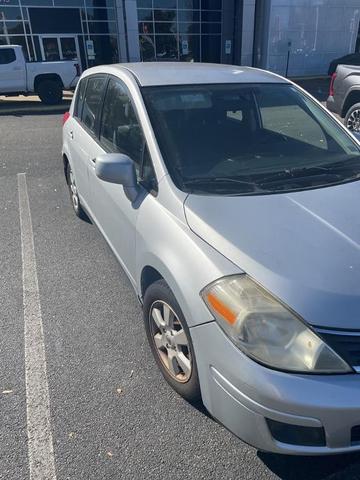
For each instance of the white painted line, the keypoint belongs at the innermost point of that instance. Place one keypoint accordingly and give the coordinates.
(40, 442)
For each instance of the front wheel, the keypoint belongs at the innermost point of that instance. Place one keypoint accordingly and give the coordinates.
(170, 341)
(352, 118)
(50, 92)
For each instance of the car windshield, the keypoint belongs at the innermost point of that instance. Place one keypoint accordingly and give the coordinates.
(240, 139)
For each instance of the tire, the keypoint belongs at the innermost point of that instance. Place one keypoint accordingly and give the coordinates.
(352, 118)
(50, 92)
(158, 297)
(74, 196)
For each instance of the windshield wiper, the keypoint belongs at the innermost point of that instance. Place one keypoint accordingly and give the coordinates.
(220, 180)
(295, 173)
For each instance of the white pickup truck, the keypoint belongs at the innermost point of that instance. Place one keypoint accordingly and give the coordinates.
(45, 79)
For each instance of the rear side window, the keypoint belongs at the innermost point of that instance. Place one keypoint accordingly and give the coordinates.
(120, 129)
(92, 102)
(80, 98)
(7, 55)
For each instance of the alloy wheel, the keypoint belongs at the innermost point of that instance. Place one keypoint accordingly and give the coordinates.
(170, 340)
(73, 190)
(353, 122)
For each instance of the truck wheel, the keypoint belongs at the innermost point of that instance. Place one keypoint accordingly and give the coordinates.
(50, 92)
(352, 119)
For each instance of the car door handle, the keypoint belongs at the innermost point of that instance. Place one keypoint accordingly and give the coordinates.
(17, 68)
(93, 161)
(71, 135)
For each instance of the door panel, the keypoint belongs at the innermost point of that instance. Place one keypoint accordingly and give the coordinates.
(83, 132)
(12, 71)
(115, 216)
(120, 132)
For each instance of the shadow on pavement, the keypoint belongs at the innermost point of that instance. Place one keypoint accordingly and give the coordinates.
(332, 467)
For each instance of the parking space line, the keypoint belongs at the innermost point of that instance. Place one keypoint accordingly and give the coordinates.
(40, 442)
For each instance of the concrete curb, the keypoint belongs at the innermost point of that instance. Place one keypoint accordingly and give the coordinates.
(29, 108)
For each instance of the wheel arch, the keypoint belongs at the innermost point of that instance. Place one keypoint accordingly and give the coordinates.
(65, 164)
(352, 98)
(149, 275)
(47, 76)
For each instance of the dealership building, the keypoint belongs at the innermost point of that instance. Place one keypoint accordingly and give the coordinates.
(297, 37)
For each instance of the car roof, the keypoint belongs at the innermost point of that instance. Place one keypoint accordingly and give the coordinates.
(188, 73)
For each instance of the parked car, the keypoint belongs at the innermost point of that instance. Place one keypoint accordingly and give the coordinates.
(230, 197)
(45, 79)
(350, 59)
(344, 95)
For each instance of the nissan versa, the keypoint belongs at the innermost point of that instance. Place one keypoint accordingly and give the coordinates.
(231, 199)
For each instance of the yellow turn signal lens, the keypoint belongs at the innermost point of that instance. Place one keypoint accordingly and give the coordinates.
(221, 309)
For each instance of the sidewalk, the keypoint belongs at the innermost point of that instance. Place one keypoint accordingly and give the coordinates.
(22, 105)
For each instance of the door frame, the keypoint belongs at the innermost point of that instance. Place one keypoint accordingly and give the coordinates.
(58, 36)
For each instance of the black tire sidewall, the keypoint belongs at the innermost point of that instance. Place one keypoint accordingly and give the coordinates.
(79, 212)
(159, 290)
(50, 92)
(349, 112)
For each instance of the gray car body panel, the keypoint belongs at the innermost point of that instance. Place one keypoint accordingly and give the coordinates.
(297, 246)
(303, 247)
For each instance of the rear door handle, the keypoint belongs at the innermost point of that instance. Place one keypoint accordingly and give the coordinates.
(71, 135)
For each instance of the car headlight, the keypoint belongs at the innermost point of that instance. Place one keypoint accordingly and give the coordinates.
(267, 331)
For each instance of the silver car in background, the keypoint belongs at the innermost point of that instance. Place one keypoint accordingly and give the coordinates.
(231, 199)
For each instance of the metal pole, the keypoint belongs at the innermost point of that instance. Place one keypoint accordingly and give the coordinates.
(288, 59)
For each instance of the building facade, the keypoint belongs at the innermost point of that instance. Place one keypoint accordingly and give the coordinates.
(293, 37)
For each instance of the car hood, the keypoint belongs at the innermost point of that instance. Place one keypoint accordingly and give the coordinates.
(303, 247)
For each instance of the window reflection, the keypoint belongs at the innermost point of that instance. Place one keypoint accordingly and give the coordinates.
(165, 27)
(146, 27)
(197, 22)
(189, 27)
(165, 15)
(189, 48)
(147, 48)
(164, 3)
(166, 47)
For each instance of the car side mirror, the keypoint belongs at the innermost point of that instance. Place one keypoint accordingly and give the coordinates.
(118, 168)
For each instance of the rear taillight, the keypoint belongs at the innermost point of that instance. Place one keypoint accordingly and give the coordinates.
(331, 89)
(77, 66)
(66, 117)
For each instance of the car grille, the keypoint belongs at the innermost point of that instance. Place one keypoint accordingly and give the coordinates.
(346, 344)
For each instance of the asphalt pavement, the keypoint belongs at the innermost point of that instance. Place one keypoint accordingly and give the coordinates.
(112, 416)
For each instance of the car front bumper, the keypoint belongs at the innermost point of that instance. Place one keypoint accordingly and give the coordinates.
(242, 395)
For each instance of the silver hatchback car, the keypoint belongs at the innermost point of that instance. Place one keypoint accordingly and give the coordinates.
(231, 199)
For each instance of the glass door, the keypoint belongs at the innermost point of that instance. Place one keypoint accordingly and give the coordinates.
(50, 49)
(59, 47)
(69, 48)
